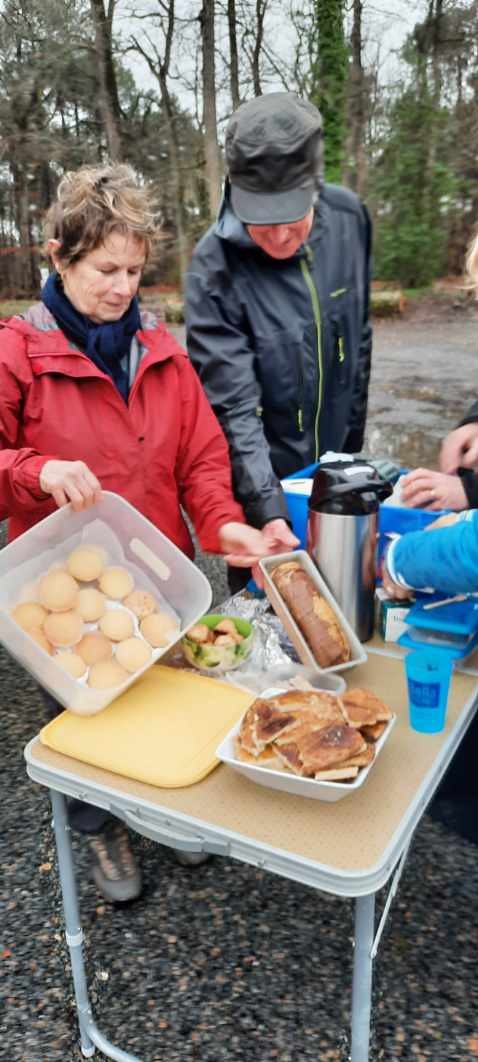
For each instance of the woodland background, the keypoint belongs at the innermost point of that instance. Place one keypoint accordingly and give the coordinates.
(153, 83)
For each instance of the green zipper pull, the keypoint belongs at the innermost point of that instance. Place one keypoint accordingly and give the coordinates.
(341, 349)
(300, 419)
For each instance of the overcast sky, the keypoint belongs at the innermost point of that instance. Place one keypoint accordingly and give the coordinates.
(386, 24)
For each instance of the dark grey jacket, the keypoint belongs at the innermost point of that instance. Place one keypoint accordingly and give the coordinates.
(283, 347)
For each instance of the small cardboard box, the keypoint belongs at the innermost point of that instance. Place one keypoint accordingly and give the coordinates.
(391, 616)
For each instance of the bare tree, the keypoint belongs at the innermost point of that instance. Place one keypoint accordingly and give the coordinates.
(357, 106)
(234, 59)
(158, 59)
(213, 172)
(108, 102)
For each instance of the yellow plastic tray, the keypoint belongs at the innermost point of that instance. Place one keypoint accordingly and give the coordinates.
(164, 730)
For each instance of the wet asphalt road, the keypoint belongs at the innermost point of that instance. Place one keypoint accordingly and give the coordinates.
(226, 962)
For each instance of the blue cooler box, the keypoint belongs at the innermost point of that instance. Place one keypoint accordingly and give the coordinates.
(397, 520)
(393, 519)
(298, 504)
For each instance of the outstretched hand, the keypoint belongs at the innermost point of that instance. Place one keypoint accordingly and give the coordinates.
(242, 545)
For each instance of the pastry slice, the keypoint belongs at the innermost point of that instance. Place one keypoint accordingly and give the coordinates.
(266, 758)
(306, 722)
(363, 708)
(270, 723)
(337, 774)
(362, 759)
(372, 733)
(329, 747)
(247, 732)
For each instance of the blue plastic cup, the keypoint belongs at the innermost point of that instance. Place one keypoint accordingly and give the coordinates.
(428, 676)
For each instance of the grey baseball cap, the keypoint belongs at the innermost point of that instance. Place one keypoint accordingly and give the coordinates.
(274, 156)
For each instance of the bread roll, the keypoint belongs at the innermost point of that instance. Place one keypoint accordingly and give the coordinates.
(312, 613)
(58, 591)
(72, 663)
(159, 629)
(94, 646)
(29, 614)
(85, 564)
(117, 624)
(91, 604)
(133, 653)
(106, 673)
(63, 628)
(116, 583)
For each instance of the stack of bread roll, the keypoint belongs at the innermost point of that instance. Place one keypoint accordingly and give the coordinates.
(92, 620)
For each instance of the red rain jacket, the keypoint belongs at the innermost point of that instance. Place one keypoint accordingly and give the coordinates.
(162, 451)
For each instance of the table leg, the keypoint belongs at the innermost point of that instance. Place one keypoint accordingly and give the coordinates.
(362, 977)
(90, 1035)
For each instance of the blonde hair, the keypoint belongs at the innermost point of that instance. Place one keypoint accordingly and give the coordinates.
(94, 201)
(471, 265)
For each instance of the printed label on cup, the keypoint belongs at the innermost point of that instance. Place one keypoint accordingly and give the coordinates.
(424, 694)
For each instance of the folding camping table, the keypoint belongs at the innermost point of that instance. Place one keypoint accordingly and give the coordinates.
(350, 848)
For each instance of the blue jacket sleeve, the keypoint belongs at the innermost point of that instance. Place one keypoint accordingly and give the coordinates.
(445, 559)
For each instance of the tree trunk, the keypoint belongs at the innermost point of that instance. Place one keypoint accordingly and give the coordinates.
(234, 59)
(328, 77)
(108, 102)
(26, 270)
(213, 172)
(256, 55)
(177, 176)
(357, 106)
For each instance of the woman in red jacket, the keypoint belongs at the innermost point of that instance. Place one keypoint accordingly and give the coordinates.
(96, 394)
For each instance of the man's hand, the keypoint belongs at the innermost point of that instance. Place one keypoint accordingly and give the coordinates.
(70, 481)
(243, 545)
(460, 449)
(279, 536)
(424, 489)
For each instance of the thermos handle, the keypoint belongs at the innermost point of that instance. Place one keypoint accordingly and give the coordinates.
(365, 488)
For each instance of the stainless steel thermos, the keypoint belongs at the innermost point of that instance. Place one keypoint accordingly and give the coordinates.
(342, 532)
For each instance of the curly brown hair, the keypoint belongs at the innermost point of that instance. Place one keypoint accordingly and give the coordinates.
(94, 201)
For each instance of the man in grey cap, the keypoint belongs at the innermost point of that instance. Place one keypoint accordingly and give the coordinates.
(277, 300)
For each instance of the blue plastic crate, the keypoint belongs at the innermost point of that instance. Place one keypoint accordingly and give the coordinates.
(298, 504)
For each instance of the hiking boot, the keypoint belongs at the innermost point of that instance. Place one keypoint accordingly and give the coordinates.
(113, 866)
(191, 859)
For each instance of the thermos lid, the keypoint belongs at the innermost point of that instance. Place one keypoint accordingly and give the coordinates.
(348, 488)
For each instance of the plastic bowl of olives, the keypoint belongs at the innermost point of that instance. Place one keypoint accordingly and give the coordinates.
(218, 642)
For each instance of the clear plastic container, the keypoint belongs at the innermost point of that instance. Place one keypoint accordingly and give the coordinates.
(130, 540)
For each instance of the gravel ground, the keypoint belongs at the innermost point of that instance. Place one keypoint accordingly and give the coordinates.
(225, 962)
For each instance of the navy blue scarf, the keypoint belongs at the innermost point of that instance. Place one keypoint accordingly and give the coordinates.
(108, 345)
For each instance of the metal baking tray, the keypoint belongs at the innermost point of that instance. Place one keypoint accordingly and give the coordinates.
(267, 564)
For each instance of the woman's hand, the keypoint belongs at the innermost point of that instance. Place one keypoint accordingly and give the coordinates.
(424, 489)
(70, 481)
(460, 449)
